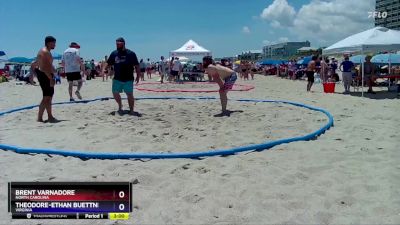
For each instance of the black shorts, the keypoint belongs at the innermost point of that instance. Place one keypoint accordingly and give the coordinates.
(44, 83)
(142, 70)
(310, 76)
(174, 73)
(74, 76)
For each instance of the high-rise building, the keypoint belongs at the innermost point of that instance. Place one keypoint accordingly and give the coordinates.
(387, 14)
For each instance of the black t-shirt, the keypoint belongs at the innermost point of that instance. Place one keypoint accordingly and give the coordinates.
(123, 62)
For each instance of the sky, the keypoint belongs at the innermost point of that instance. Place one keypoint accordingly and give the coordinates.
(153, 28)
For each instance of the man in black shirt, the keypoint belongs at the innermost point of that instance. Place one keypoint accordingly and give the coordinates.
(124, 62)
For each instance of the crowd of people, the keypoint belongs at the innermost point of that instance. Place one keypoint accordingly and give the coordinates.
(122, 64)
(324, 70)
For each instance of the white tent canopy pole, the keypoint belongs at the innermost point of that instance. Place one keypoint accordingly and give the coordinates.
(362, 77)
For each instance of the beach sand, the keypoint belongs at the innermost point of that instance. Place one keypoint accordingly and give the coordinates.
(349, 175)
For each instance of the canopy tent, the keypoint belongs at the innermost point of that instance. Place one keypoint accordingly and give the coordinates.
(305, 49)
(190, 48)
(373, 40)
(393, 59)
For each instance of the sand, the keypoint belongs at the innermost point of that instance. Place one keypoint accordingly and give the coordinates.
(349, 175)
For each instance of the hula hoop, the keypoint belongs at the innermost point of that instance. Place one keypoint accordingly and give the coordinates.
(220, 152)
(244, 87)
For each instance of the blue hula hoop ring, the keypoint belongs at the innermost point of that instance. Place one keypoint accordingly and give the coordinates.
(194, 155)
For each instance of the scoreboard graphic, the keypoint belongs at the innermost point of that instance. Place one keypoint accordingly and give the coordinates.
(70, 200)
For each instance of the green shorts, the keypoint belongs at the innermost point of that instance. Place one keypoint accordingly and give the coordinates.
(120, 86)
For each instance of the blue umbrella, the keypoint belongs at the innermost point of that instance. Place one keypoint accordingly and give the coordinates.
(20, 60)
(2, 53)
(304, 61)
(357, 59)
(272, 62)
(56, 56)
(384, 59)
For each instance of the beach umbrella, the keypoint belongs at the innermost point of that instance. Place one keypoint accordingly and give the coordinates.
(357, 59)
(3, 59)
(391, 59)
(272, 62)
(386, 59)
(304, 61)
(56, 56)
(20, 60)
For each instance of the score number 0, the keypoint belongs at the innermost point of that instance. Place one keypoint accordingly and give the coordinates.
(121, 206)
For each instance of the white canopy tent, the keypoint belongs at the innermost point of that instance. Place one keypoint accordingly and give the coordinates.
(190, 48)
(369, 41)
(374, 40)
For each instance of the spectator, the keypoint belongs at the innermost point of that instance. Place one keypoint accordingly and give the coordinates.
(142, 66)
(176, 69)
(324, 69)
(346, 67)
(92, 69)
(369, 73)
(148, 68)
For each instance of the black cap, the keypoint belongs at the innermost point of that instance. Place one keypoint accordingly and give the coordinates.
(120, 39)
(74, 45)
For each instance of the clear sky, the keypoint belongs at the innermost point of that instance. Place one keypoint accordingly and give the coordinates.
(152, 28)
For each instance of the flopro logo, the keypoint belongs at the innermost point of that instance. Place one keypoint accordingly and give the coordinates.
(379, 15)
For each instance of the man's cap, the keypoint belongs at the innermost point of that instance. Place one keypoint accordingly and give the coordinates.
(120, 39)
(74, 45)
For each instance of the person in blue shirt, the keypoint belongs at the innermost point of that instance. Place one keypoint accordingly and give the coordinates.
(346, 67)
(125, 62)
